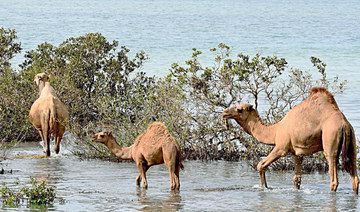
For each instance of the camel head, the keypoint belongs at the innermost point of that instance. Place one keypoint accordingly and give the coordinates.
(239, 113)
(102, 137)
(41, 77)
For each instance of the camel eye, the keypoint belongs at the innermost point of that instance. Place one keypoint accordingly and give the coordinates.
(101, 136)
(240, 110)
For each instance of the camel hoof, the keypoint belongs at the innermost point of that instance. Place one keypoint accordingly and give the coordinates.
(57, 151)
(297, 181)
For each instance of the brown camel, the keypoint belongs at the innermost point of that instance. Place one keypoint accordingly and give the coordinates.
(316, 124)
(154, 146)
(48, 114)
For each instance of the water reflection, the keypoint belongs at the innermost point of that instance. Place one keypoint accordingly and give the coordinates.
(151, 203)
(50, 170)
(298, 201)
(96, 185)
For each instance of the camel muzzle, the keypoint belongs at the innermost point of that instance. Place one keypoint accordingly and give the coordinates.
(93, 138)
(226, 123)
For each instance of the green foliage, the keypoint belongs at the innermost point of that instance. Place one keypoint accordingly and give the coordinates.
(105, 89)
(266, 82)
(8, 48)
(13, 92)
(86, 71)
(38, 193)
(88, 74)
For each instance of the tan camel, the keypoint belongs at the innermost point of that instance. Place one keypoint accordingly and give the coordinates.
(48, 114)
(316, 124)
(154, 146)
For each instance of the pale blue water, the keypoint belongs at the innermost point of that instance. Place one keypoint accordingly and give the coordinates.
(96, 185)
(167, 30)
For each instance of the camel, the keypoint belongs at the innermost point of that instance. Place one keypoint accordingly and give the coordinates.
(316, 124)
(48, 114)
(154, 146)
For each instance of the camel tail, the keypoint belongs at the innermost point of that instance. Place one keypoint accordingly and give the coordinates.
(348, 150)
(52, 118)
(179, 156)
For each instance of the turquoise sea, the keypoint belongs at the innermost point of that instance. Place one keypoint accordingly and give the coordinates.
(167, 30)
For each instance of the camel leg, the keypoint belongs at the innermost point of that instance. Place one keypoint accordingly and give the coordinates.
(45, 131)
(275, 154)
(58, 138)
(177, 177)
(354, 178)
(171, 167)
(333, 172)
(298, 167)
(353, 171)
(138, 179)
(170, 162)
(142, 169)
(42, 139)
(331, 143)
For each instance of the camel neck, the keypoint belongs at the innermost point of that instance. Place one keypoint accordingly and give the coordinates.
(42, 86)
(255, 127)
(119, 151)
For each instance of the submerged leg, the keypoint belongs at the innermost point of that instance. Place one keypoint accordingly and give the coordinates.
(46, 141)
(333, 173)
(331, 139)
(170, 162)
(138, 179)
(43, 140)
(58, 137)
(298, 170)
(142, 169)
(177, 177)
(45, 132)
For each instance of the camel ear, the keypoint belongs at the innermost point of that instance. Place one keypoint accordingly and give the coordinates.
(108, 133)
(249, 108)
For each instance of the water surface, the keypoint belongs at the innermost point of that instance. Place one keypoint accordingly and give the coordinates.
(94, 185)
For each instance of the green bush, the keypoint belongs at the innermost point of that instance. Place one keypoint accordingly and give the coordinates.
(13, 93)
(106, 89)
(38, 194)
(266, 82)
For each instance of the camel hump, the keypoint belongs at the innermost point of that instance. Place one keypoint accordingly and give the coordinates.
(157, 127)
(323, 91)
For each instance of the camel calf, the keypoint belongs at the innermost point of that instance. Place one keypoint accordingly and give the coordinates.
(48, 114)
(154, 146)
(316, 124)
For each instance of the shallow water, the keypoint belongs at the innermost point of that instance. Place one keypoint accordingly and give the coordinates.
(94, 185)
